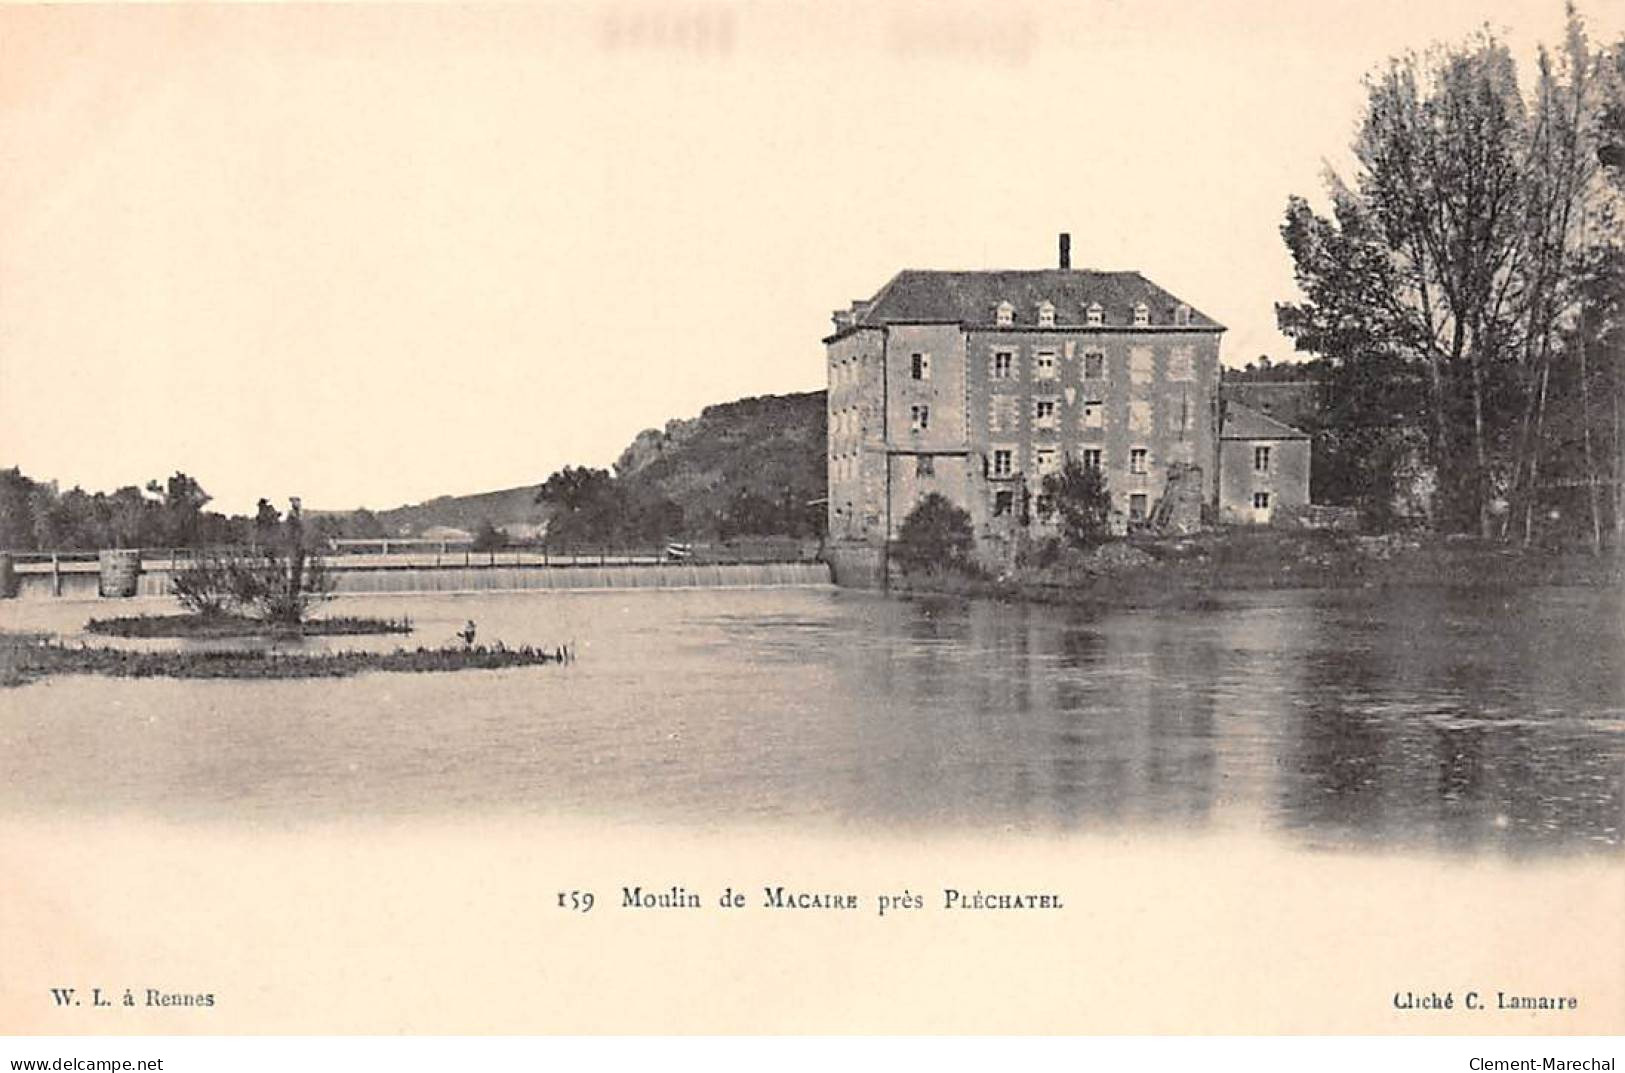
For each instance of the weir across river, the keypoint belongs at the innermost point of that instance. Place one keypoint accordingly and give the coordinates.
(86, 575)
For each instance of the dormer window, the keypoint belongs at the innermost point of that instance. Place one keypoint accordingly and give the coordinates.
(1095, 315)
(1142, 316)
(1005, 315)
(1046, 314)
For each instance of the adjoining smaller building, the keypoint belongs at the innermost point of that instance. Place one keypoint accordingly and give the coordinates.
(1263, 466)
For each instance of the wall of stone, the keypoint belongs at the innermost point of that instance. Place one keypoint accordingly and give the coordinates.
(856, 566)
(947, 475)
(943, 391)
(942, 346)
(1157, 390)
(854, 369)
(1286, 481)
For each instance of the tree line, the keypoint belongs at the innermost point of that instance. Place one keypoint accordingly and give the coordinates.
(1465, 288)
(594, 508)
(37, 515)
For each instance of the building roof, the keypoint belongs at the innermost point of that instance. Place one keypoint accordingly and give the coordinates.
(1289, 401)
(973, 298)
(1241, 423)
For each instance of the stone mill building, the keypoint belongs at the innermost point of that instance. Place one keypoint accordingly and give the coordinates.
(976, 385)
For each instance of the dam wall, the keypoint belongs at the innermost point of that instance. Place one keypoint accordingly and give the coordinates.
(76, 581)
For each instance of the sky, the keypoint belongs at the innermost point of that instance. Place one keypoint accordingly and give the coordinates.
(367, 255)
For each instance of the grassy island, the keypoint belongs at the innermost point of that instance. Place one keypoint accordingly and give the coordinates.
(222, 626)
(26, 658)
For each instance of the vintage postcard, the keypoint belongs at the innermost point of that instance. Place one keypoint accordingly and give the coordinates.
(735, 518)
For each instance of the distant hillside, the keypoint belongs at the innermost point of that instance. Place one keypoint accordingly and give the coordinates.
(770, 446)
(510, 506)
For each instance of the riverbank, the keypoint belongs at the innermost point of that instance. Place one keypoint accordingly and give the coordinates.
(26, 658)
(222, 626)
(1188, 571)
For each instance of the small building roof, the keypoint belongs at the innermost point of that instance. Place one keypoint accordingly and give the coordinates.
(972, 298)
(1242, 423)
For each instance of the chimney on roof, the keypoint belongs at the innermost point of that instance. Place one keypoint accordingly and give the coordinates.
(1066, 250)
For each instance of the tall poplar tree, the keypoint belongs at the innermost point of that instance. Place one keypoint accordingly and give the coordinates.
(1453, 257)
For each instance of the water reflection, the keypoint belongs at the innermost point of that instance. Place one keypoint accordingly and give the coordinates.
(1471, 731)
(1410, 719)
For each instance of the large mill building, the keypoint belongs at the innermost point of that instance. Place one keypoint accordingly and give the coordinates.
(977, 384)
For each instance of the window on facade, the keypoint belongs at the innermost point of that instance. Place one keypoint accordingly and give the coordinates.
(1094, 365)
(1005, 315)
(1179, 364)
(1004, 414)
(1094, 413)
(1044, 365)
(1142, 365)
(1046, 315)
(1045, 506)
(925, 466)
(1003, 462)
(1043, 413)
(1095, 315)
(1136, 460)
(1136, 507)
(1261, 501)
(1003, 502)
(1091, 457)
(1142, 315)
(1048, 460)
(920, 367)
(1003, 364)
(919, 417)
(1182, 314)
(1261, 459)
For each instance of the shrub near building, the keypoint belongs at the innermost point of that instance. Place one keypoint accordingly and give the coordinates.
(936, 535)
(1078, 494)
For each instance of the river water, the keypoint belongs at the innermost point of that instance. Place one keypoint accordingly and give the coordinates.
(1423, 719)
